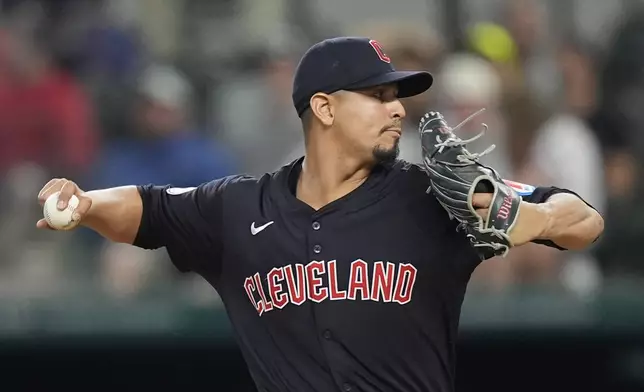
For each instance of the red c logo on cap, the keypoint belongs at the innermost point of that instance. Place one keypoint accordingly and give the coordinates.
(378, 48)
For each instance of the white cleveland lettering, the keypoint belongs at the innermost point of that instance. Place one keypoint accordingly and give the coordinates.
(249, 286)
(405, 283)
(268, 305)
(296, 289)
(334, 293)
(383, 281)
(275, 288)
(358, 281)
(316, 292)
(317, 281)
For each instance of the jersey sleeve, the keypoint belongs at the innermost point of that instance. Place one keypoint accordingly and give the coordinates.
(540, 195)
(186, 221)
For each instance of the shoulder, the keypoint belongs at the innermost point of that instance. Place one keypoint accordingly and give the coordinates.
(235, 183)
(210, 189)
(413, 184)
(410, 174)
(241, 187)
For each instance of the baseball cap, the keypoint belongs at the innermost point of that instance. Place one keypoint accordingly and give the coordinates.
(351, 63)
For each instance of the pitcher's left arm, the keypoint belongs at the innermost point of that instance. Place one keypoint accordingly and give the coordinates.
(562, 220)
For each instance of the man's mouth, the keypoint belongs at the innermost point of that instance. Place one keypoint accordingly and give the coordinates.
(396, 130)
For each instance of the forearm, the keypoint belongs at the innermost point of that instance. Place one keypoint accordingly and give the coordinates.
(569, 222)
(115, 213)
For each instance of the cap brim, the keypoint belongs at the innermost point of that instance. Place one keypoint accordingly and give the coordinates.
(409, 83)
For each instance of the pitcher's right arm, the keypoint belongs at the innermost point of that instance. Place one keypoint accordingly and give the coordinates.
(188, 222)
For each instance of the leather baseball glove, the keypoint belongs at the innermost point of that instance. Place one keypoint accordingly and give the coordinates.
(456, 174)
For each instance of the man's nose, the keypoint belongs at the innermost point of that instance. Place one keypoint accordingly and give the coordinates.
(397, 109)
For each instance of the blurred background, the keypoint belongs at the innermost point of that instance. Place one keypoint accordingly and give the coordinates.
(116, 92)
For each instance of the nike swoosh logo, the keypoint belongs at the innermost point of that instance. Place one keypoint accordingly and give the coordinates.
(255, 230)
(179, 191)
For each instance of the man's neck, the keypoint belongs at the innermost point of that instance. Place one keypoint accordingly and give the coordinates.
(326, 177)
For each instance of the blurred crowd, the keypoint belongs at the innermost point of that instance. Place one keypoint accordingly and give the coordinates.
(180, 92)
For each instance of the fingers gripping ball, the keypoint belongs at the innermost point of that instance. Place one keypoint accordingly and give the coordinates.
(57, 219)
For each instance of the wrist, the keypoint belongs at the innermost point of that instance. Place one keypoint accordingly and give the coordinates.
(89, 219)
(543, 223)
(537, 220)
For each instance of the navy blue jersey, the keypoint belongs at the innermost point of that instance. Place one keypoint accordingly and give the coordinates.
(361, 295)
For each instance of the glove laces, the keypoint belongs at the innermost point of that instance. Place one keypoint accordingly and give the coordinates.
(454, 141)
(495, 246)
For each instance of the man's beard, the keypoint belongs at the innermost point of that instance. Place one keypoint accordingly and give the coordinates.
(386, 155)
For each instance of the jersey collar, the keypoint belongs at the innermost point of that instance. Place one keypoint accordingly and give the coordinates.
(286, 180)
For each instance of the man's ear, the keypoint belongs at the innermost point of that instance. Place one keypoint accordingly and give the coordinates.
(322, 108)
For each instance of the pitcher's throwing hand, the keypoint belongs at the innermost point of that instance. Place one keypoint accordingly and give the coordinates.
(66, 188)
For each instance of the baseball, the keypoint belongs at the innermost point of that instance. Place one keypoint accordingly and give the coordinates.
(60, 220)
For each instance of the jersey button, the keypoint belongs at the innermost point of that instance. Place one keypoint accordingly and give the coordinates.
(316, 225)
(347, 387)
(317, 249)
(327, 334)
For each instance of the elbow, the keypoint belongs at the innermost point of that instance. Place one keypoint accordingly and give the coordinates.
(596, 226)
(123, 237)
(125, 233)
(588, 233)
